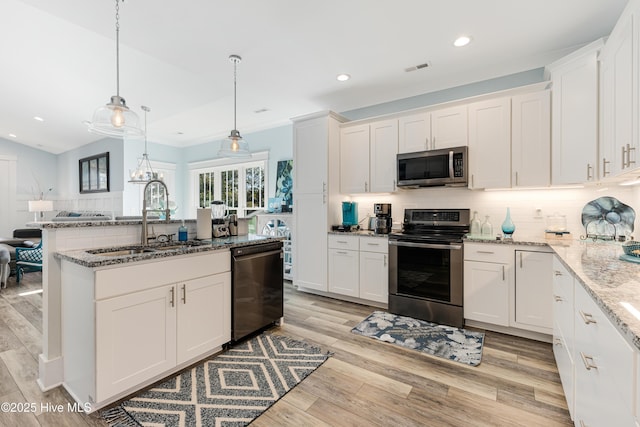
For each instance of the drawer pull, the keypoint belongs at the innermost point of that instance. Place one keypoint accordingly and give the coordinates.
(342, 241)
(373, 244)
(587, 318)
(485, 252)
(588, 361)
(184, 294)
(557, 298)
(557, 273)
(385, 260)
(503, 273)
(173, 294)
(342, 252)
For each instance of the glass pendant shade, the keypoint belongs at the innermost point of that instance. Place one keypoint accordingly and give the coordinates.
(234, 146)
(144, 173)
(115, 119)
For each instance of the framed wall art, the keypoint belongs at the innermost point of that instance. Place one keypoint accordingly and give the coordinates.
(94, 173)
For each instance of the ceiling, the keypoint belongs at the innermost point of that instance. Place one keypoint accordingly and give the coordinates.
(58, 58)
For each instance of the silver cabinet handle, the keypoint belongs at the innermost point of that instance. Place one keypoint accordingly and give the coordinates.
(605, 162)
(385, 261)
(629, 150)
(365, 187)
(342, 252)
(503, 276)
(589, 174)
(557, 298)
(173, 294)
(624, 152)
(557, 273)
(184, 294)
(344, 242)
(373, 244)
(324, 193)
(516, 178)
(485, 252)
(471, 180)
(426, 140)
(586, 317)
(588, 361)
(520, 260)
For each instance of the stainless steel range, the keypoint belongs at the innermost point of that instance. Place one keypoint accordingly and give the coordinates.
(426, 265)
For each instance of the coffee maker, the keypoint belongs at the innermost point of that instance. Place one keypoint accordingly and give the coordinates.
(382, 221)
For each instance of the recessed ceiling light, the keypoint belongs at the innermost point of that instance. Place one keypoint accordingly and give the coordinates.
(462, 41)
(343, 77)
(13, 135)
(38, 118)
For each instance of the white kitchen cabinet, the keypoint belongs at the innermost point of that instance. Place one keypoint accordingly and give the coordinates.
(309, 242)
(486, 292)
(120, 335)
(574, 111)
(619, 104)
(533, 308)
(344, 265)
(488, 272)
(368, 157)
(490, 143)
(563, 330)
(204, 315)
(604, 368)
(135, 339)
(374, 269)
(432, 130)
(531, 139)
(316, 155)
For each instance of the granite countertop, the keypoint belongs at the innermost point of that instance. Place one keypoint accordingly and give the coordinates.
(359, 233)
(102, 223)
(517, 240)
(92, 258)
(612, 283)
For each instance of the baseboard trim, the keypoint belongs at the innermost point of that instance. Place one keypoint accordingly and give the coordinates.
(50, 372)
(537, 336)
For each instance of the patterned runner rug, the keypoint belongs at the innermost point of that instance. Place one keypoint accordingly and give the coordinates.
(231, 389)
(443, 341)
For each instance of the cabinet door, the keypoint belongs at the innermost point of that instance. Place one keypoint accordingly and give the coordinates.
(486, 292)
(204, 315)
(574, 131)
(343, 272)
(135, 339)
(531, 139)
(414, 133)
(354, 159)
(618, 99)
(310, 151)
(449, 127)
(310, 241)
(383, 148)
(490, 143)
(374, 276)
(533, 295)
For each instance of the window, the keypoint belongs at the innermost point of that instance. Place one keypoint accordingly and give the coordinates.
(240, 186)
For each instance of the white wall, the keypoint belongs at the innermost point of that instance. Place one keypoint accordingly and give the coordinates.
(523, 204)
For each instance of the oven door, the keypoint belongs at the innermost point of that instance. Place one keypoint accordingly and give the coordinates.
(429, 271)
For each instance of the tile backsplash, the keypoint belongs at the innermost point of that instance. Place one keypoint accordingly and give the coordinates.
(529, 208)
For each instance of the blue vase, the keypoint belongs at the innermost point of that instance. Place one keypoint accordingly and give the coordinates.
(507, 226)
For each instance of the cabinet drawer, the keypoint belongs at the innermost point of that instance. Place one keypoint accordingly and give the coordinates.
(565, 364)
(599, 343)
(374, 244)
(343, 242)
(486, 252)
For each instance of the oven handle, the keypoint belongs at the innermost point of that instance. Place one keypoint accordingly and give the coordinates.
(424, 245)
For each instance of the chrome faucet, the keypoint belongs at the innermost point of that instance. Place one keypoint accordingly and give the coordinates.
(167, 212)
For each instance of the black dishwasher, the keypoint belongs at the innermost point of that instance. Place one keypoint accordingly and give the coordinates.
(256, 288)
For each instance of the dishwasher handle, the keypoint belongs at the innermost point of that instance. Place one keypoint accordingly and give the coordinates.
(257, 255)
(256, 249)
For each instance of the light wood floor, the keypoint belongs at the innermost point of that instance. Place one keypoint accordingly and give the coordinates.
(364, 383)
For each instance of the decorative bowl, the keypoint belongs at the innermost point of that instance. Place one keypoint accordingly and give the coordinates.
(632, 248)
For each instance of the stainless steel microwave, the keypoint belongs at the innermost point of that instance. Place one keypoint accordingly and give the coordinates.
(432, 168)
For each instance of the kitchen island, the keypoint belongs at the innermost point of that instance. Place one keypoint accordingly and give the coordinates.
(135, 314)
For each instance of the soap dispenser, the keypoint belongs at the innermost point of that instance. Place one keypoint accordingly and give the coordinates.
(182, 232)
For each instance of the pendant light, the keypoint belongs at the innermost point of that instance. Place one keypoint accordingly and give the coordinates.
(115, 118)
(234, 145)
(143, 172)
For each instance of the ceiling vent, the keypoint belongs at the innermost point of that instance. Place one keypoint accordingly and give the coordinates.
(417, 67)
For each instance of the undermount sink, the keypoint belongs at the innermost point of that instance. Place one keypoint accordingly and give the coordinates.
(123, 252)
(182, 245)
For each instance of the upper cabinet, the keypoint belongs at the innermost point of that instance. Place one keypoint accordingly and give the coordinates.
(531, 139)
(574, 112)
(432, 130)
(619, 76)
(490, 143)
(368, 157)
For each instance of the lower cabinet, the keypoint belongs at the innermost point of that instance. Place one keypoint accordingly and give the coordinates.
(124, 328)
(358, 267)
(508, 287)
